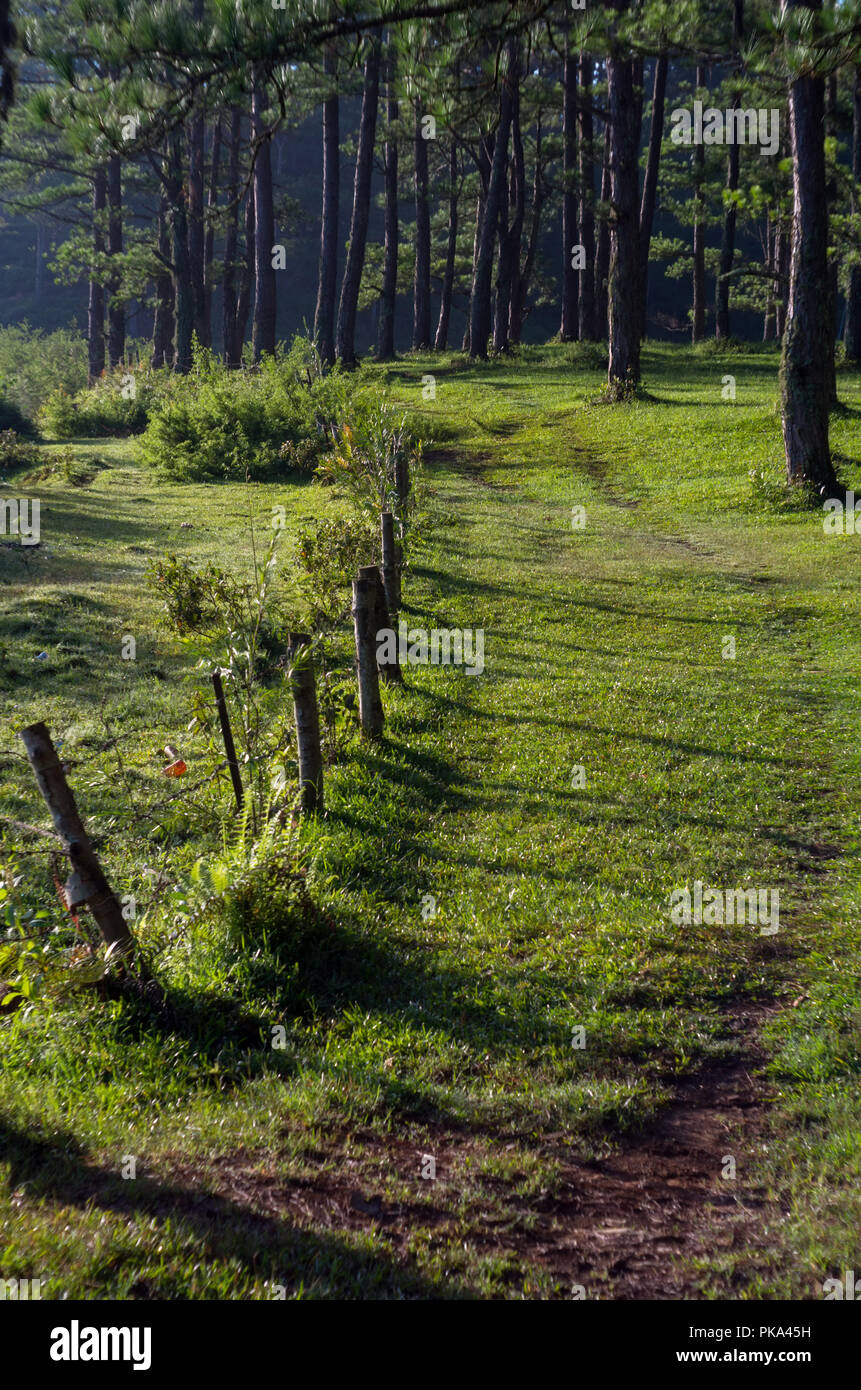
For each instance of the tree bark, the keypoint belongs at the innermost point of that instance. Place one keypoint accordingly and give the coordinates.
(324, 317)
(727, 249)
(246, 281)
(853, 296)
(623, 285)
(509, 292)
(650, 181)
(265, 303)
(807, 338)
(588, 328)
(698, 322)
(480, 312)
(389, 295)
(783, 281)
(502, 286)
(116, 310)
(96, 305)
(483, 164)
(231, 245)
(196, 138)
(768, 318)
(162, 325)
(351, 283)
(421, 280)
(570, 323)
(183, 301)
(602, 249)
(831, 195)
(209, 238)
(524, 279)
(441, 339)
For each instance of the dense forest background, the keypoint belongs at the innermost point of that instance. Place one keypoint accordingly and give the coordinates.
(69, 133)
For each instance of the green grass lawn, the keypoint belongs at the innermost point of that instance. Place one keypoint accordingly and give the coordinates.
(491, 877)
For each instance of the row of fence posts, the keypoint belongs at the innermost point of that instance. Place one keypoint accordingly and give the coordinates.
(376, 603)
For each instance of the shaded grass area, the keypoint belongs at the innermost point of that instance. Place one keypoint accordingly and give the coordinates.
(492, 878)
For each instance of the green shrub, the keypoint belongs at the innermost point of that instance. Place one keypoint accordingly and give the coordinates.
(194, 599)
(216, 424)
(12, 420)
(34, 363)
(329, 555)
(375, 457)
(16, 453)
(118, 404)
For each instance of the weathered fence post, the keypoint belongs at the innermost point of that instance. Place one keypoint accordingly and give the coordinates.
(87, 884)
(227, 735)
(307, 723)
(365, 627)
(391, 569)
(383, 622)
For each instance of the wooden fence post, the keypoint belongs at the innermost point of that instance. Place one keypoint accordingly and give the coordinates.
(391, 570)
(227, 735)
(87, 884)
(389, 670)
(307, 723)
(365, 627)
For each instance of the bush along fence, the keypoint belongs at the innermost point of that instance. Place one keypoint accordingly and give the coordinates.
(376, 602)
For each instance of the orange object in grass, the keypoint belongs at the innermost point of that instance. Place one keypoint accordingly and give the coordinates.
(176, 768)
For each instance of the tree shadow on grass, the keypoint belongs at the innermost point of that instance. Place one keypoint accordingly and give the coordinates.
(267, 1245)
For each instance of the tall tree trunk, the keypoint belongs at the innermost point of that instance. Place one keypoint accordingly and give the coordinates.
(324, 316)
(441, 339)
(265, 300)
(422, 277)
(502, 296)
(727, 248)
(570, 324)
(588, 328)
(246, 281)
(196, 139)
(602, 248)
(515, 237)
(209, 239)
(524, 280)
(182, 294)
(231, 245)
(833, 288)
(116, 310)
(96, 305)
(389, 295)
(650, 181)
(768, 317)
(162, 326)
(479, 310)
(351, 283)
(194, 205)
(853, 296)
(623, 285)
(783, 281)
(698, 327)
(485, 156)
(807, 339)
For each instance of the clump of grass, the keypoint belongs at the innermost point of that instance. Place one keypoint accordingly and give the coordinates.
(777, 495)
